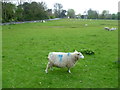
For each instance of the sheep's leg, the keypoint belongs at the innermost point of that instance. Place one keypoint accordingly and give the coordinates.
(49, 65)
(69, 70)
(51, 68)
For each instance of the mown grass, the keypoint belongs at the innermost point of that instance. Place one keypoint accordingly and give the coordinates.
(26, 46)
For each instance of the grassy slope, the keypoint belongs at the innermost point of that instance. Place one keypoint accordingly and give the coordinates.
(26, 46)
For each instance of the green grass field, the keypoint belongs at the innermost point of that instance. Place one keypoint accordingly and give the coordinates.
(26, 46)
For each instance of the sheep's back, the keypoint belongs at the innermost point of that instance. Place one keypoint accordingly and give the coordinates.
(60, 59)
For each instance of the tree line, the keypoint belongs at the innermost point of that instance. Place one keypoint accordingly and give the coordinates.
(28, 11)
(23, 12)
(92, 14)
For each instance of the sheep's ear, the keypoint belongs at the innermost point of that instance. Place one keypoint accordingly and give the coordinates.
(76, 51)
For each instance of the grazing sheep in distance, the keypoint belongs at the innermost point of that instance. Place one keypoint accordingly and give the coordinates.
(110, 29)
(61, 59)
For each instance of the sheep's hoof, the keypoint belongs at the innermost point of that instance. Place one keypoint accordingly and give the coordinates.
(69, 71)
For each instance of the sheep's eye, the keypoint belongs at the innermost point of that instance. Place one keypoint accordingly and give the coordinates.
(78, 54)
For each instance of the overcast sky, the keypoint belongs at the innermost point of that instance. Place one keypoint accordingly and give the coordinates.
(82, 5)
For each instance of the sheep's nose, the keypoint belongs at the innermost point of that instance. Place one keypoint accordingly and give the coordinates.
(82, 56)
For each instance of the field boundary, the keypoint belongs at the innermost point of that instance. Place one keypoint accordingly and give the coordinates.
(28, 21)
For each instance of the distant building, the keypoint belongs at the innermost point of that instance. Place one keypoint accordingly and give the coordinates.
(84, 16)
(78, 16)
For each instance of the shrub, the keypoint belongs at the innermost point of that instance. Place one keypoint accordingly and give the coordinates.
(87, 51)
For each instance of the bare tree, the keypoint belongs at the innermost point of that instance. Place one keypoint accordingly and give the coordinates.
(58, 9)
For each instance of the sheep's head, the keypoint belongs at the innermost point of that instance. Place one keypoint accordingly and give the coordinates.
(78, 55)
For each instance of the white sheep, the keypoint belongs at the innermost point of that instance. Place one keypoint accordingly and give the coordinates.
(43, 21)
(86, 25)
(112, 29)
(61, 59)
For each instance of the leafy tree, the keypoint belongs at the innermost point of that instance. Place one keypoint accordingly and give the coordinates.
(27, 15)
(34, 11)
(104, 13)
(49, 13)
(8, 12)
(19, 13)
(118, 15)
(71, 13)
(108, 16)
(42, 7)
(0, 11)
(23, 12)
(63, 14)
(113, 16)
(92, 14)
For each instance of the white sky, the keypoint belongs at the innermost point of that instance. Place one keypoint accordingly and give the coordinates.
(82, 5)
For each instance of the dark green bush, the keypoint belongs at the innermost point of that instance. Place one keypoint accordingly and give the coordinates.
(87, 51)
